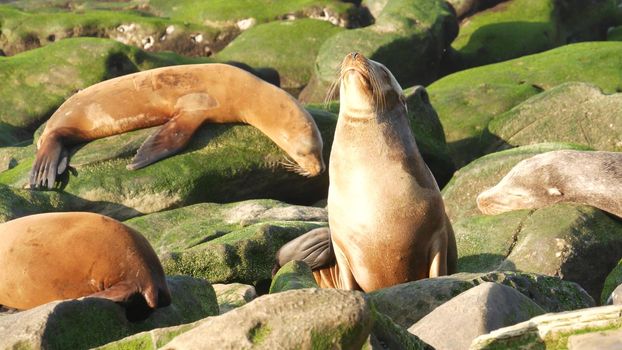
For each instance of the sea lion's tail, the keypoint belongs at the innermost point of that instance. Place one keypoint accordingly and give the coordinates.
(51, 160)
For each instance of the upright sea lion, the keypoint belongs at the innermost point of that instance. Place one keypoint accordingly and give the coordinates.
(592, 178)
(182, 98)
(386, 214)
(55, 256)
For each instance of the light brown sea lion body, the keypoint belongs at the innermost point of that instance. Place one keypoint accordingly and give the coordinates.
(386, 214)
(182, 98)
(593, 178)
(56, 256)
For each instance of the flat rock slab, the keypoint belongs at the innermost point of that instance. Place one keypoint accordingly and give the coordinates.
(305, 319)
(607, 340)
(90, 322)
(554, 331)
(477, 311)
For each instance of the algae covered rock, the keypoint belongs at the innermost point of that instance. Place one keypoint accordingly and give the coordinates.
(89, 322)
(292, 55)
(556, 331)
(576, 242)
(222, 163)
(577, 113)
(477, 311)
(293, 275)
(615, 33)
(520, 27)
(467, 101)
(613, 280)
(226, 243)
(153, 339)
(233, 295)
(307, 318)
(22, 31)
(409, 37)
(407, 303)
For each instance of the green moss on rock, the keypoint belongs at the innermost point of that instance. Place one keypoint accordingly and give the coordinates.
(615, 34)
(467, 101)
(413, 31)
(614, 279)
(23, 31)
(292, 55)
(293, 275)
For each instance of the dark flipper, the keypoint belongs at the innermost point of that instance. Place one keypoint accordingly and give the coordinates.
(138, 303)
(169, 139)
(314, 248)
(46, 167)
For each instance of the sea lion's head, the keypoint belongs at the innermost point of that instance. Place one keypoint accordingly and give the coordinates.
(367, 87)
(532, 183)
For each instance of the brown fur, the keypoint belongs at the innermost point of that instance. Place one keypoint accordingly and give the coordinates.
(55, 256)
(386, 214)
(182, 98)
(593, 178)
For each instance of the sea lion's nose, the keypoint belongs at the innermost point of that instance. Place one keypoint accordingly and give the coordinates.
(354, 55)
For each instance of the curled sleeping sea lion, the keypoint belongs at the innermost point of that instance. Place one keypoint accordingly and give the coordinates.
(181, 98)
(386, 215)
(592, 178)
(54, 256)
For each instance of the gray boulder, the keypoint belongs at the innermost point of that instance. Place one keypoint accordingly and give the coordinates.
(477, 311)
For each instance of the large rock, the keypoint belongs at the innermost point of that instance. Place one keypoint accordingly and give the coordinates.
(409, 37)
(222, 163)
(564, 330)
(233, 295)
(153, 339)
(477, 311)
(297, 319)
(575, 242)
(22, 31)
(226, 243)
(89, 322)
(407, 303)
(612, 282)
(520, 27)
(573, 112)
(467, 101)
(292, 55)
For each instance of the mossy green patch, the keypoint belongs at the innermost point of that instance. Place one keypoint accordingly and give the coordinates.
(467, 101)
(292, 55)
(293, 275)
(394, 336)
(258, 334)
(509, 30)
(232, 11)
(23, 31)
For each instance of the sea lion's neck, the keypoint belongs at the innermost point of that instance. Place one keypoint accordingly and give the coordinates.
(591, 190)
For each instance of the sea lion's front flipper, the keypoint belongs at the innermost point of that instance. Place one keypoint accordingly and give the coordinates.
(313, 247)
(169, 139)
(46, 165)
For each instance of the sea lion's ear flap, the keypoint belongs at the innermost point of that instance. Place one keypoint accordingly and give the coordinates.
(169, 139)
(553, 191)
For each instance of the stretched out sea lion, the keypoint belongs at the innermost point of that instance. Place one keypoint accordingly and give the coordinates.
(386, 215)
(56, 256)
(592, 178)
(181, 98)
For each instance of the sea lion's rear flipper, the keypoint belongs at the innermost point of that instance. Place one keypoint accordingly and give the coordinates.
(314, 248)
(124, 292)
(169, 139)
(46, 165)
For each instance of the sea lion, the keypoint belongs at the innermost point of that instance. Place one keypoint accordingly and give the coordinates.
(592, 178)
(386, 215)
(56, 256)
(181, 98)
